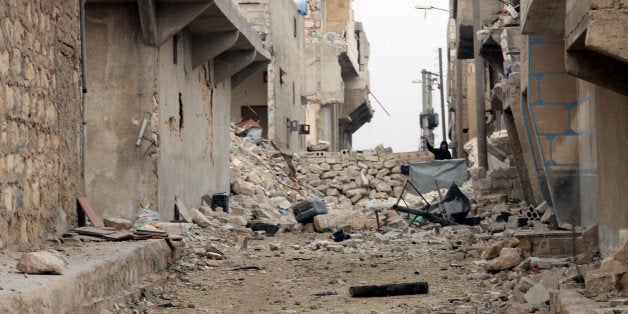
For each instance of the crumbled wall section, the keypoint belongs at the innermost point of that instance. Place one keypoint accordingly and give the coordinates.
(40, 110)
(372, 173)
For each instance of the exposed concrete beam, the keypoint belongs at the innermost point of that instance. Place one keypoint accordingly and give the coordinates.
(173, 17)
(247, 72)
(148, 20)
(542, 17)
(231, 62)
(208, 46)
(595, 50)
(603, 71)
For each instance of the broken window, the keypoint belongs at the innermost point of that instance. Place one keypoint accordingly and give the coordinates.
(175, 45)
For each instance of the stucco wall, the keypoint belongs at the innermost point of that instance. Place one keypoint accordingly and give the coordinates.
(288, 56)
(40, 111)
(189, 149)
(611, 114)
(122, 80)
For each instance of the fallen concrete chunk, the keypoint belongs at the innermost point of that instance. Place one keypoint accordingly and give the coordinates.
(199, 219)
(508, 258)
(177, 227)
(537, 295)
(41, 262)
(118, 223)
(493, 250)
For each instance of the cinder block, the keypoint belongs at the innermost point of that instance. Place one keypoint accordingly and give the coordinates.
(551, 119)
(558, 88)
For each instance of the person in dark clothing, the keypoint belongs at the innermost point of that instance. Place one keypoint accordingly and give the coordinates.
(441, 153)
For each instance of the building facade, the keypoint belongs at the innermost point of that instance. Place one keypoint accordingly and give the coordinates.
(336, 58)
(554, 73)
(275, 96)
(40, 119)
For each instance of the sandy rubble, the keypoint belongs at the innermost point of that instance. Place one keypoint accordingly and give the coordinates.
(227, 267)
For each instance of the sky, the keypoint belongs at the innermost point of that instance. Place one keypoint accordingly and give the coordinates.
(403, 41)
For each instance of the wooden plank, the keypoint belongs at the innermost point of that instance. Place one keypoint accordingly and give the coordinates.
(93, 231)
(89, 212)
(119, 235)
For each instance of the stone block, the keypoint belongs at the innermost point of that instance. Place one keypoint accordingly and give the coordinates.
(390, 163)
(383, 187)
(118, 223)
(537, 295)
(382, 173)
(508, 258)
(41, 262)
(492, 251)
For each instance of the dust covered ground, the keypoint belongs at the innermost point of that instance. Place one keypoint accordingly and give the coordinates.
(285, 272)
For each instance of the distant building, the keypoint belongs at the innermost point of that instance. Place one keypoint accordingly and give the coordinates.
(336, 58)
(275, 95)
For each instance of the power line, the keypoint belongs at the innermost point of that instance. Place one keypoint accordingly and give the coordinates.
(380, 104)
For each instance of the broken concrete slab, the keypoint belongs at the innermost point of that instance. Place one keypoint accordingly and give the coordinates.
(493, 250)
(118, 223)
(41, 262)
(537, 294)
(198, 218)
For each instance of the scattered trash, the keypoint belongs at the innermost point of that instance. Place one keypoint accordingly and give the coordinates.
(340, 236)
(325, 293)
(144, 217)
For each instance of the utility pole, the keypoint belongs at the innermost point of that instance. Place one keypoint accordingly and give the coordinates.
(479, 88)
(459, 114)
(442, 92)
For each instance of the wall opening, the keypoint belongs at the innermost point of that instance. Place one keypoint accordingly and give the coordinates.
(180, 112)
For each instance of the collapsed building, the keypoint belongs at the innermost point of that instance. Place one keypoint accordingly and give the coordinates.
(553, 80)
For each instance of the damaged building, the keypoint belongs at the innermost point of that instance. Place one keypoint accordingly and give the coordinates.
(160, 77)
(275, 95)
(554, 80)
(336, 58)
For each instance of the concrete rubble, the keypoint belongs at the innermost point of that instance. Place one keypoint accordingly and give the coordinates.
(498, 254)
(509, 258)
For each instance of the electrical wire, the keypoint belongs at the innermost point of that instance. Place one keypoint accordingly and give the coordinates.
(379, 103)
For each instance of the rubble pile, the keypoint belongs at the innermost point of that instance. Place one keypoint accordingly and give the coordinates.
(371, 173)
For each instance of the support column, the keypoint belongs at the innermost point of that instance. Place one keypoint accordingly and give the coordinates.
(479, 88)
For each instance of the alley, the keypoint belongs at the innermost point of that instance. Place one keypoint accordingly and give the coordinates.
(233, 156)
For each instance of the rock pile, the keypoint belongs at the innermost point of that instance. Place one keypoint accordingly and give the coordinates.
(372, 173)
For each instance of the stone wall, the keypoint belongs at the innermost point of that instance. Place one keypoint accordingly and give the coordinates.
(40, 112)
(372, 173)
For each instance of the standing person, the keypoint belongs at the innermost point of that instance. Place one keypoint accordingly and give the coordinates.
(441, 153)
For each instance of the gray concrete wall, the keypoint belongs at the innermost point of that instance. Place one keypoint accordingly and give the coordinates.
(40, 112)
(288, 56)
(283, 30)
(122, 79)
(611, 114)
(192, 126)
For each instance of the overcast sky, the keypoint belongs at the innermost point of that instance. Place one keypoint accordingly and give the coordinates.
(403, 41)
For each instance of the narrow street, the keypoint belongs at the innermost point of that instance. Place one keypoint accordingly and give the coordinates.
(283, 274)
(313, 156)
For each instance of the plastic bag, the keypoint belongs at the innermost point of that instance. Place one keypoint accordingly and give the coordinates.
(145, 216)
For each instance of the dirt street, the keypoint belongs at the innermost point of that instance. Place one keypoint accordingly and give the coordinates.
(284, 273)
